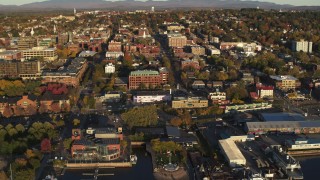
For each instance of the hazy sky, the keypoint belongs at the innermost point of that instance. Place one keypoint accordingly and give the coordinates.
(293, 2)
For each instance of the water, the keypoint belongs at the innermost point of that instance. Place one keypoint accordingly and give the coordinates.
(142, 170)
(310, 167)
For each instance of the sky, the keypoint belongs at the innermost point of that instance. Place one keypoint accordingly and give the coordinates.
(292, 2)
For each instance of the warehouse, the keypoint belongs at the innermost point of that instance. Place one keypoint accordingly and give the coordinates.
(232, 153)
(303, 144)
(297, 127)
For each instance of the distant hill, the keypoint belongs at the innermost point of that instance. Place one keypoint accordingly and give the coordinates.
(132, 5)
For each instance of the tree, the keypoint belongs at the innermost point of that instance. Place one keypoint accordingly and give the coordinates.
(12, 132)
(18, 111)
(3, 175)
(30, 154)
(20, 128)
(141, 116)
(30, 110)
(43, 108)
(186, 118)
(176, 121)
(7, 112)
(55, 107)
(76, 122)
(45, 145)
(124, 145)
(67, 143)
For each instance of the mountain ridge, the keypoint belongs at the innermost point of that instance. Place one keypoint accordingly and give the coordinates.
(132, 5)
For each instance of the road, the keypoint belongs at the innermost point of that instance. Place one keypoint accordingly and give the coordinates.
(42, 166)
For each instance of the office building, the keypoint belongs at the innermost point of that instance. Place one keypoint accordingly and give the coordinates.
(48, 54)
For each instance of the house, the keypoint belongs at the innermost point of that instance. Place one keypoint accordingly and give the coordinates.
(190, 63)
(247, 77)
(28, 102)
(214, 84)
(198, 84)
(264, 91)
(54, 102)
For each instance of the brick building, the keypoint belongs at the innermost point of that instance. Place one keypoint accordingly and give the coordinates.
(176, 40)
(114, 46)
(69, 75)
(147, 78)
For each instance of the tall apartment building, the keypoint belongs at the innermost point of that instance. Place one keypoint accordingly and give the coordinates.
(26, 43)
(148, 78)
(24, 70)
(302, 45)
(176, 40)
(48, 54)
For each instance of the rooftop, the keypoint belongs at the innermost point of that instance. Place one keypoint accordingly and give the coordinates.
(282, 117)
(283, 124)
(144, 73)
(173, 131)
(152, 93)
(231, 150)
(283, 77)
(110, 141)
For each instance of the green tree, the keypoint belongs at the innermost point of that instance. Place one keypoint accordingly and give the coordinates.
(141, 116)
(67, 143)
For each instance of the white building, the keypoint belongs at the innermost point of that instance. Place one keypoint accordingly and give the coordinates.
(114, 54)
(217, 96)
(231, 152)
(264, 91)
(303, 144)
(151, 96)
(110, 68)
(302, 45)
